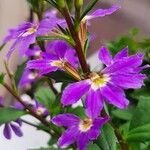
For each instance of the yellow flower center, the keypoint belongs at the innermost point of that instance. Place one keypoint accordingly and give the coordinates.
(29, 31)
(99, 81)
(40, 111)
(57, 63)
(85, 125)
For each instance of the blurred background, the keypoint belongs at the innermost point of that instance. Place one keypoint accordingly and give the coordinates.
(134, 13)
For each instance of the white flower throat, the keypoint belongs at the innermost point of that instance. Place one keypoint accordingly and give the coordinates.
(98, 81)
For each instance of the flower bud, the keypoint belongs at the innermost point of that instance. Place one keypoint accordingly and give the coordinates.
(78, 3)
(61, 3)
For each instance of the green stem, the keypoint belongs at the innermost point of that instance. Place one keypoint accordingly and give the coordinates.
(26, 106)
(75, 37)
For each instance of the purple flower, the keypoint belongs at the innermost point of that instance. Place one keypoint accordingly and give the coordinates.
(40, 109)
(28, 77)
(101, 12)
(26, 33)
(121, 73)
(57, 55)
(12, 127)
(79, 131)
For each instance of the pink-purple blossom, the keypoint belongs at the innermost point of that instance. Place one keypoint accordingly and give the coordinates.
(122, 72)
(57, 54)
(78, 131)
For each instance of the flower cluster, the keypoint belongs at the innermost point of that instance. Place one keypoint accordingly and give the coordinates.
(120, 73)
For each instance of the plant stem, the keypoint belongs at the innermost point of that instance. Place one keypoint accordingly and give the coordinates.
(29, 123)
(75, 37)
(46, 123)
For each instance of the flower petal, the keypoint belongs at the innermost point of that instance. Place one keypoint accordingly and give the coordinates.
(7, 131)
(93, 103)
(16, 130)
(123, 53)
(94, 132)
(102, 12)
(43, 65)
(115, 96)
(68, 137)
(74, 92)
(66, 120)
(82, 141)
(126, 81)
(105, 56)
(125, 65)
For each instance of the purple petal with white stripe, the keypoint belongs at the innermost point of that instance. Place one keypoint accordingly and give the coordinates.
(115, 96)
(93, 103)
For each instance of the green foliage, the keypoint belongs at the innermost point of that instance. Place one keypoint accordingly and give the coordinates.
(45, 96)
(140, 123)
(19, 72)
(107, 140)
(92, 146)
(10, 114)
(125, 114)
(61, 76)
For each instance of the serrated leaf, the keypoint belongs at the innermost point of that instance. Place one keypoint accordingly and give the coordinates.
(141, 114)
(45, 96)
(122, 114)
(10, 114)
(107, 140)
(92, 146)
(140, 123)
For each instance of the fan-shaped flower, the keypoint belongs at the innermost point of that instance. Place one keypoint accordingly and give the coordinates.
(122, 72)
(79, 131)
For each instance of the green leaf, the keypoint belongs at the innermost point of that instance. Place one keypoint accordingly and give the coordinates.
(2, 78)
(88, 8)
(61, 76)
(19, 73)
(141, 114)
(10, 114)
(140, 134)
(141, 93)
(45, 96)
(79, 111)
(123, 114)
(92, 146)
(107, 139)
(140, 123)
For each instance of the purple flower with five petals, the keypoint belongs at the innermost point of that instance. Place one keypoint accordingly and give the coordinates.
(26, 33)
(12, 126)
(57, 54)
(79, 131)
(122, 72)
